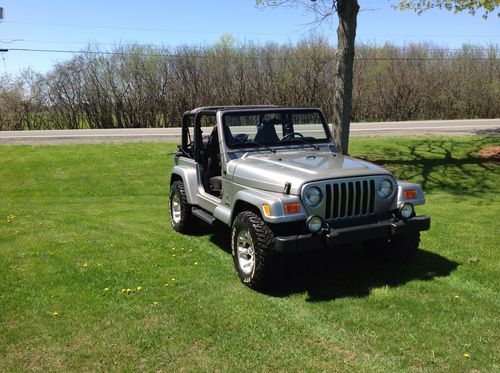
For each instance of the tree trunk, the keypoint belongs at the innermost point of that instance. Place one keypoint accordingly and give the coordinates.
(347, 11)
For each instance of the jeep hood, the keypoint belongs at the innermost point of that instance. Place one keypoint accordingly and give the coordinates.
(270, 171)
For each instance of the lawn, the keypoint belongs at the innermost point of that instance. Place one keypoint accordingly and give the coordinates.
(94, 278)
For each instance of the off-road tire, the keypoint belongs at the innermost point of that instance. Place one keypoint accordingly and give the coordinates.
(266, 262)
(397, 249)
(184, 222)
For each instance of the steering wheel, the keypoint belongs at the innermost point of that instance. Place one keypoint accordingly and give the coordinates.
(290, 135)
(241, 138)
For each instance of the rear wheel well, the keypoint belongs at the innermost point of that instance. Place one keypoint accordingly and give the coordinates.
(241, 206)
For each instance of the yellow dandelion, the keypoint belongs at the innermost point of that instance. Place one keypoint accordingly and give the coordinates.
(124, 290)
(173, 248)
(55, 313)
(173, 255)
(172, 279)
(139, 288)
(155, 303)
(195, 263)
(85, 265)
(466, 355)
(129, 290)
(166, 285)
(457, 297)
(106, 289)
(190, 250)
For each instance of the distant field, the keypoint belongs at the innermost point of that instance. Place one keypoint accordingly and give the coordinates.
(82, 224)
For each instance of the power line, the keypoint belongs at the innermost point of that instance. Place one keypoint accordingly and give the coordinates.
(430, 35)
(159, 29)
(148, 44)
(155, 29)
(169, 55)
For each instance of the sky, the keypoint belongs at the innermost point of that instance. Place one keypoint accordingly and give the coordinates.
(72, 24)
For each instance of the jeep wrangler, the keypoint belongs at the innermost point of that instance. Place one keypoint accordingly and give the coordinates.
(275, 177)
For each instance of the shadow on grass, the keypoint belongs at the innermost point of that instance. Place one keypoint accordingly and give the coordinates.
(443, 165)
(350, 272)
(346, 272)
(221, 236)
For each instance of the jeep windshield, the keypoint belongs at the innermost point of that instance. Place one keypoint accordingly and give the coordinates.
(274, 128)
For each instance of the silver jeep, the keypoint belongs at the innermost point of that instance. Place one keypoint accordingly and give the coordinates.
(275, 177)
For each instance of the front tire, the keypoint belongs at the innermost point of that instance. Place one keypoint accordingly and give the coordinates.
(252, 243)
(397, 249)
(180, 211)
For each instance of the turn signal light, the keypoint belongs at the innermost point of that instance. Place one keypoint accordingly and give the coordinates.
(410, 194)
(292, 208)
(267, 210)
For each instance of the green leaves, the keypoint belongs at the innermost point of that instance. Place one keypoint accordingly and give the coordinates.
(456, 6)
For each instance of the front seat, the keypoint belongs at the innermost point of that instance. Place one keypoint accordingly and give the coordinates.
(266, 133)
(213, 178)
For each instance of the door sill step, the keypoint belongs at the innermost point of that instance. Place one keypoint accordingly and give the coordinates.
(203, 215)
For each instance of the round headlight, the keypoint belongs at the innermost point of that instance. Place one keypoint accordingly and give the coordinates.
(313, 196)
(385, 188)
(314, 223)
(406, 211)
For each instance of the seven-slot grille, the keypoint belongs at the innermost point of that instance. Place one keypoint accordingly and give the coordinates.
(346, 199)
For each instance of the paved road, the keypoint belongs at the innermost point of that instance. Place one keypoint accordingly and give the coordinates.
(433, 127)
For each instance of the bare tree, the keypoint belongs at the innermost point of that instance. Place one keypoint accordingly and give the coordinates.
(150, 87)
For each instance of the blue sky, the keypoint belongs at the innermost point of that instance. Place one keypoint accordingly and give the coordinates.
(71, 24)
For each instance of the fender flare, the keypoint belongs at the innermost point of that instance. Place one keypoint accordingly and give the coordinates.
(274, 200)
(190, 179)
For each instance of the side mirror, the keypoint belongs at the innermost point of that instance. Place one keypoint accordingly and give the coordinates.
(178, 152)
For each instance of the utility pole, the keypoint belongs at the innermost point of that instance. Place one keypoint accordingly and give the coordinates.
(1, 19)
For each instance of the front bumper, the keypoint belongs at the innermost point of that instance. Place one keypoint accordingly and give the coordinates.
(332, 237)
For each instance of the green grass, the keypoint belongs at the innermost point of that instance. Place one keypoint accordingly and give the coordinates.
(77, 219)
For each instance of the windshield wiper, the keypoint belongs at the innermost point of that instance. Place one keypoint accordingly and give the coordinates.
(259, 145)
(304, 142)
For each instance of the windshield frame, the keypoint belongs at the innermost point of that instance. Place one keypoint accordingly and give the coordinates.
(277, 110)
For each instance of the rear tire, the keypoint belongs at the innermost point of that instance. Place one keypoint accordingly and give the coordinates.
(397, 249)
(252, 244)
(180, 211)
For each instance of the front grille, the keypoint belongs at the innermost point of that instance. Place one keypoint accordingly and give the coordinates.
(350, 199)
